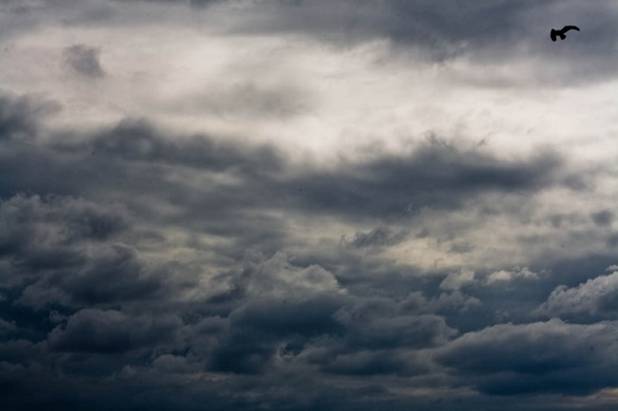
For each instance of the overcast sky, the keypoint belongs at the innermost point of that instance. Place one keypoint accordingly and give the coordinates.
(308, 205)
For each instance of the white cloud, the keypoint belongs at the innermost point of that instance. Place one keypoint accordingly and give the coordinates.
(596, 296)
(278, 277)
(457, 280)
(507, 276)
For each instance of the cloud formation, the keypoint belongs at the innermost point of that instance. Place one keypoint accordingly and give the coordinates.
(300, 205)
(84, 60)
(595, 298)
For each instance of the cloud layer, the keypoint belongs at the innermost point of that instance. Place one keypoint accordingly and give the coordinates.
(301, 205)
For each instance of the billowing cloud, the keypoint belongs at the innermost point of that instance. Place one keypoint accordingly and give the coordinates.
(596, 298)
(111, 331)
(300, 205)
(554, 356)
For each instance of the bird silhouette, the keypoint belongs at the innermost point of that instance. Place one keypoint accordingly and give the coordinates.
(561, 33)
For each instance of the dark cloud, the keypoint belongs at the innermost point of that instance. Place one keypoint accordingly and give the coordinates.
(554, 356)
(439, 31)
(112, 276)
(134, 155)
(137, 140)
(603, 218)
(434, 176)
(166, 270)
(98, 331)
(257, 329)
(184, 2)
(400, 331)
(378, 237)
(41, 234)
(19, 116)
(60, 255)
(593, 300)
(147, 269)
(84, 60)
(368, 363)
(486, 31)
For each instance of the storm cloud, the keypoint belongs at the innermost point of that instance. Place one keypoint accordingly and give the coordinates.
(301, 205)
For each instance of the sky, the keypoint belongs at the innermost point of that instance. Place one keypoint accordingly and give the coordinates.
(298, 205)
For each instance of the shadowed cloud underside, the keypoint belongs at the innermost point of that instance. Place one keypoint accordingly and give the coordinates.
(307, 205)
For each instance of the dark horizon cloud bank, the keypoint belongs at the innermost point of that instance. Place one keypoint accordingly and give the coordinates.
(306, 205)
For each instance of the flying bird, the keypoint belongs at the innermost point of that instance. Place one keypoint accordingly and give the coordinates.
(562, 32)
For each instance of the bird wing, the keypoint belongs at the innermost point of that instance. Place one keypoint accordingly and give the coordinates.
(567, 28)
(553, 35)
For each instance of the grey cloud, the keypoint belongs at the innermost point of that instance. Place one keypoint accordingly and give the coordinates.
(191, 2)
(457, 280)
(378, 237)
(281, 302)
(596, 298)
(433, 176)
(554, 356)
(19, 352)
(279, 278)
(39, 232)
(402, 331)
(82, 219)
(169, 363)
(297, 316)
(166, 258)
(114, 275)
(134, 153)
(453, 302)
(91, 330)
(313, 316)
(63, 251)
(603, 218)
(612, 240)
(371, 363)
(144, 269)
(84, 60)
(138, 140)
(19, 17)
(257, 328)
(249, 99)
(7, 327)
(500, 31)
(505, 276)
(20, 116)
